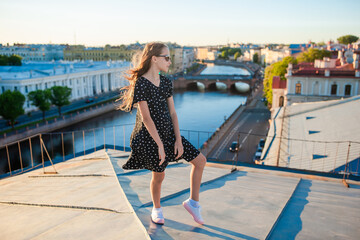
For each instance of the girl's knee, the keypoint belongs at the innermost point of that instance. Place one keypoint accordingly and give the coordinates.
(199, 161)
(158, 176)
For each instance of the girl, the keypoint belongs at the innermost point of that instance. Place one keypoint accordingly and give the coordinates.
(156, 140)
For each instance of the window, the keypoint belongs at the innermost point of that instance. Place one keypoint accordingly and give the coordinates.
(333, 89)
(26, 89)
(46, 85)
(15, 88)
(298, 88)
(347, 90)
(281, 101)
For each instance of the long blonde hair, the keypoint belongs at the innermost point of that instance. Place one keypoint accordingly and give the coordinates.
(127, 92)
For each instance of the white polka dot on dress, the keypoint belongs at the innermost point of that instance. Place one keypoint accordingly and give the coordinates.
(144, 150)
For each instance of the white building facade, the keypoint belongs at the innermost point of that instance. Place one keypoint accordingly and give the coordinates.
(84, 82)
(35, 52)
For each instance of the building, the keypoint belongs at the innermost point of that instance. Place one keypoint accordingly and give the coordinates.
(35, 52)
(318, 136)
(84, 78)
(206, 53)
(181, 58)
(80, 52)
(270, 56)
(188, 57)
(326, 79)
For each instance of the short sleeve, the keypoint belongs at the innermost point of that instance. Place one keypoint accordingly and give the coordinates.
(140, 92)
(169, 91)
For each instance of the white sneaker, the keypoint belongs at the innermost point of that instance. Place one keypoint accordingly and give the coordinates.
(194, 211)
(157, 216)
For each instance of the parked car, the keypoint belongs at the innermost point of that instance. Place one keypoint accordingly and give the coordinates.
(234, 146)
(257, 155)
(89, 100)
(261, 144)
(263, 99)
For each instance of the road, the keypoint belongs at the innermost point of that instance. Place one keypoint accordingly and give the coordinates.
(252, 122)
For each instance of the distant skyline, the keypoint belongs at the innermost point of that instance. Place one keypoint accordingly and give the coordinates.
(192, 23)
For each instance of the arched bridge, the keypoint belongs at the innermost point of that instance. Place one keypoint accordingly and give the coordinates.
(209, 81)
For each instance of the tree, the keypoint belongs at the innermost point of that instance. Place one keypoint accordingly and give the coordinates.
(275, 69)
(13, 60)
(256, 58)
(237, 54)
(311, 54)
(41, 99)
(11, 105)
(224, 54)
(60, 96)
(347, 39)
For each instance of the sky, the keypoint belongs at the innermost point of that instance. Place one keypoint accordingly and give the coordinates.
(186, 22)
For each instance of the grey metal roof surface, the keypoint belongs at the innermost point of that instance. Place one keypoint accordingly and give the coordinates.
(249, 203)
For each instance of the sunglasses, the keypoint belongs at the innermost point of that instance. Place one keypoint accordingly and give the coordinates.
(167, 57)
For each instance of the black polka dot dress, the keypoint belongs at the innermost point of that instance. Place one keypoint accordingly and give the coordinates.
(144, 150)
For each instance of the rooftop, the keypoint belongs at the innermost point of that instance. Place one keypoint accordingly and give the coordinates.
(316, 136)
(33, 69)
(91, 197)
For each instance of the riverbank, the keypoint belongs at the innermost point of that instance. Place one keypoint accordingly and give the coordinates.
(58, 123)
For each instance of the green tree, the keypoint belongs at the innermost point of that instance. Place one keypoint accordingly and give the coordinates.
(311, 54)
(237, 54)
(224, 54)
(256, 58)
(11, 105)
(41, 99)
(3, 60)
(275, 69)
(60, 96)
(347, 39)
(15, 60)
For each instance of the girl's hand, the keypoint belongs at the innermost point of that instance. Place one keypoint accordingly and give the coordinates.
(161, 154)
(179, 149)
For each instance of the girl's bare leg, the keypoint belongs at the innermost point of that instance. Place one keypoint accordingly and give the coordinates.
(155, 187)
(196, 175)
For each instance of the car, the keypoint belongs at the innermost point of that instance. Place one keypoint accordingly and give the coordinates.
(234, 146)
(261, 144)
(263, 99)
(257, 155)
(89, 100)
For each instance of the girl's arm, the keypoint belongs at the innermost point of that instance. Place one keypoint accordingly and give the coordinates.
(150, 126)
(178, 143)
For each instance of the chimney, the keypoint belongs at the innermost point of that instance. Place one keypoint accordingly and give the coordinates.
(340, 54)
(342, 62)
(356, 64)
(327, 73)
(289, 69)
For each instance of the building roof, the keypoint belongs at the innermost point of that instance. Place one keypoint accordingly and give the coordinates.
(307, 126)
(278, 83)
(33, 69)
(93, 197)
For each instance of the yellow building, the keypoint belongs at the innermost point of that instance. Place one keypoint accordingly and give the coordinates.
(176, 60)
(80, 52)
